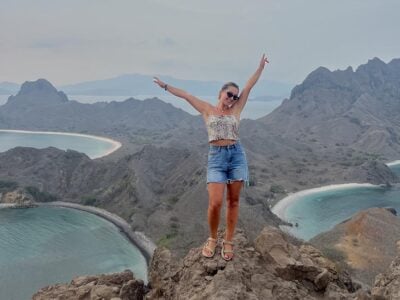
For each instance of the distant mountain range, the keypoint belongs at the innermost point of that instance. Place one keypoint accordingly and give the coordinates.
(137, 84)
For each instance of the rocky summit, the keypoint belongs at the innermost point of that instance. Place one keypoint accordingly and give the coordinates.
(271, 267)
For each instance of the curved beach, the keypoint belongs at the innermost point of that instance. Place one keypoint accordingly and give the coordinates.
(138, 239)
(280, 208)
(115, 144)
(393, 163)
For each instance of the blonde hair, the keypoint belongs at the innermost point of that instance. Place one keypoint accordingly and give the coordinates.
(227, 85)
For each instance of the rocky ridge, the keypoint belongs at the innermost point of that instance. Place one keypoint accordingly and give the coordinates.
(275, 266)
(270, 268)
(356, 109)
(365, 244)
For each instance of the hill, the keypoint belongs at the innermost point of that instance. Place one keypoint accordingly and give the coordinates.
(352, 109)
(365, 244)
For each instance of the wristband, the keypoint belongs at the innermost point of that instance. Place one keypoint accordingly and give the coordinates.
(166, 87)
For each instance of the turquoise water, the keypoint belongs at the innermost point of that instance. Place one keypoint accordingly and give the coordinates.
(89, 145)
(321, 211)
(48, 245)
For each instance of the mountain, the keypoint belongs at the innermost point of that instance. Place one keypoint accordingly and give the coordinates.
(35, 99)
(365, 244)
(137, 84)
(156, 180)
(357, 109)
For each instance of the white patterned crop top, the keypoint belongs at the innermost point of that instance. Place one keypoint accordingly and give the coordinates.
(224, 127)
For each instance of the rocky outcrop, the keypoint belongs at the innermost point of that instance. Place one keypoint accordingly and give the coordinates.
(365, 244)
(274, 267)
(387, 285)
(271, 268)
(118, 286)
(19, 198)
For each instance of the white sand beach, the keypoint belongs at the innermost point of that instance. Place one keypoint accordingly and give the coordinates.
(393, 163)
(139, 239)
(115, 144)
(280, 208)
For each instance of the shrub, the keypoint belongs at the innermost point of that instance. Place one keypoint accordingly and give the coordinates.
(277, 189)
(40, 196)
(7, 185)
(89, 200)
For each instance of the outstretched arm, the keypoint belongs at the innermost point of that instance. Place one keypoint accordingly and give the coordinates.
(200, 105)
(251, 82)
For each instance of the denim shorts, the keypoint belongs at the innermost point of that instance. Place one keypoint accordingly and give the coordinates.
(227, 164)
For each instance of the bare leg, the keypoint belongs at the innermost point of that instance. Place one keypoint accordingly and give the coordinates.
(232, 213)
(215, 197)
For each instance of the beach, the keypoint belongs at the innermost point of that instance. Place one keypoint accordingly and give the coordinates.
(115, 144)
(280, 208)
(138, 239)
(393, 163)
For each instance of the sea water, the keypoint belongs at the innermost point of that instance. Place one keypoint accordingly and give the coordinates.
(90, 145)
(318, 212)
(48, 245)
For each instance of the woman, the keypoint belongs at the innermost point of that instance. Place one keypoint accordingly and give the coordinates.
(227, 165)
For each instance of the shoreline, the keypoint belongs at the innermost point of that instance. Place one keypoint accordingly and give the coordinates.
(282, 205)
(393, 163)
(115, 144)
(138, 239)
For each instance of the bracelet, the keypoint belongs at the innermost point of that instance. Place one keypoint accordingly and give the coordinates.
(166, 87)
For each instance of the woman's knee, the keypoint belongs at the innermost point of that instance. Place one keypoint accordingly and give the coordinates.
(233, 202)
(215, 204)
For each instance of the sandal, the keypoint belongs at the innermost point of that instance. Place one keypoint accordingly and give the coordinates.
(224, 252)
(207, 247)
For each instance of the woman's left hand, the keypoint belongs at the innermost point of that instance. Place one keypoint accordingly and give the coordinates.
(263, 61)
(161, 84)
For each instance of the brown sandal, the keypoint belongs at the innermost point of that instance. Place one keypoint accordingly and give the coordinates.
(224, 252)
(208, 248)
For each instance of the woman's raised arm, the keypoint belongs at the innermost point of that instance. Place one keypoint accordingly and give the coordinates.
(201, 106)
(251, 82)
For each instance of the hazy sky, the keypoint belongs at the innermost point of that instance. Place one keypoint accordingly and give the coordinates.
(69, 41)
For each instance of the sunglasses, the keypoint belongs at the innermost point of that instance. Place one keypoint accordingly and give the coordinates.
(231, 95)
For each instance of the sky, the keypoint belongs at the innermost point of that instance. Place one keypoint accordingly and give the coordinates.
(71, 41)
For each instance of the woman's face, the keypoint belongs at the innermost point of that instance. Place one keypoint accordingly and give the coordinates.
(229, 96)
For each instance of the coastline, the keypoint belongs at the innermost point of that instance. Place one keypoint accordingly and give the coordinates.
(393, 163)
(138, 239)
(115, 144)
(281, 206)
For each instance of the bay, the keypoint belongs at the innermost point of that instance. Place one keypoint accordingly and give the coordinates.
(317, 212)
(48, 245)
(92, 146)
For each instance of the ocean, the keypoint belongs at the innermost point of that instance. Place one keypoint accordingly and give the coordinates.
(90, 145)
(48, 245)
(320, 211)
(253, 110)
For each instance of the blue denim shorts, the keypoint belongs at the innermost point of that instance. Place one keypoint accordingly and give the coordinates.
(227, 164)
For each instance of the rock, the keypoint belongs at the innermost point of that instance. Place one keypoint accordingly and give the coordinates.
(387, 285)
(121, 286)
(273, 269)
(19, 197)
(133, 289)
